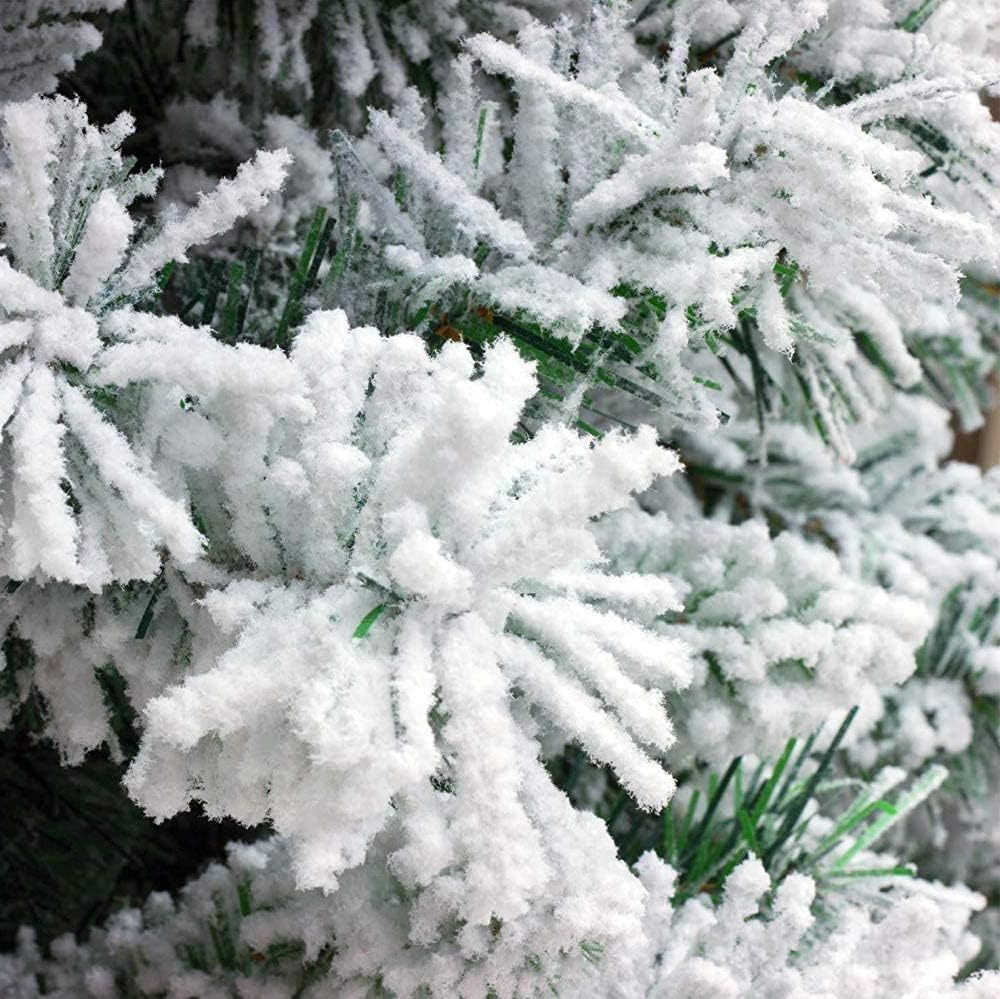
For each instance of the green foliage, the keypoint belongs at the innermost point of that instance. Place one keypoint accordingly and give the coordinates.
(800, 813)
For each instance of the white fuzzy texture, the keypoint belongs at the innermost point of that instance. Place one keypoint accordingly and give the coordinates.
(738, 950)
(601, 902)
(26, 184)
(214, 214)
(488, 579)
(412, 584)
(786, 638)
(105, 239)
(474, 216)
(925, 530)
(693, 187)
(40, 39)
(44, 537)
(84, 503)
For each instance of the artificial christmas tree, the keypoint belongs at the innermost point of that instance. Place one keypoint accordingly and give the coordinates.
(489, 464)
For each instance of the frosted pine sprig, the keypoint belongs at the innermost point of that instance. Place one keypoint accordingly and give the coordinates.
(40, 39)
(917, 525)
(785, 637)
(745, 946)
(689, 208)
(84, 506)
(428, 605)
(386, 593)
(243, 926)
(141, 635)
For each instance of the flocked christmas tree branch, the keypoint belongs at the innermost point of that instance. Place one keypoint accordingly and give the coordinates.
(495, 455)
